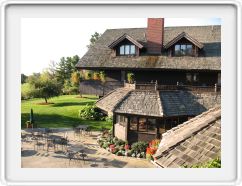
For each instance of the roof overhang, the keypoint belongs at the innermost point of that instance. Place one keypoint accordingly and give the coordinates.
(123, 37)
(183, 35)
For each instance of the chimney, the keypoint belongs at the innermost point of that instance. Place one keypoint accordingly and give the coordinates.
(155, 35)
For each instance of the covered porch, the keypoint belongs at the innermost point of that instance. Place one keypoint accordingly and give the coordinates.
(133, 128)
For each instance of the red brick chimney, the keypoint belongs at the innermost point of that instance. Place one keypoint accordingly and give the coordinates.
(155, 35)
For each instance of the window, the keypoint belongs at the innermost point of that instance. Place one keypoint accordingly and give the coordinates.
(151, 125)
(183, 50)
(192, 77)
(133, 123)
(121, 119)
(127, 50)
(132, 49)
(195, 77)
(142, 125)
(219, 78)
(189, 77)
(121, 50)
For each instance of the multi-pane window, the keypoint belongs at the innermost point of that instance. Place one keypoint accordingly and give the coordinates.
(133, 123)
(121, 119)
(192, 77)
(183, 50)
(127, 50)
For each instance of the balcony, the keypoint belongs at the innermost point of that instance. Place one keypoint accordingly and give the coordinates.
(99, 88)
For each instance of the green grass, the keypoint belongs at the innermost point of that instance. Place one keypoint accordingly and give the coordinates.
(62, 114)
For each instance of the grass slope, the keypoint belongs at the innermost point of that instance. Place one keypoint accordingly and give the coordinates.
(63, 113)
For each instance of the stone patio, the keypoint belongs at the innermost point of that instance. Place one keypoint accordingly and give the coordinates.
(96, 156)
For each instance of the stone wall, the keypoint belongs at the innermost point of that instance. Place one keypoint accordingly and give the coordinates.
(120, 131)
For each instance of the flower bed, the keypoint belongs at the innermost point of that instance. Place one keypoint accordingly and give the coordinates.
(122, 148)
(151, 150)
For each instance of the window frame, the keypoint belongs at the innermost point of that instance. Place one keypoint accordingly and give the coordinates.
(127, 53)
(183, 49)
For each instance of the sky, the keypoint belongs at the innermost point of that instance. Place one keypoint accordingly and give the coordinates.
(48, 39)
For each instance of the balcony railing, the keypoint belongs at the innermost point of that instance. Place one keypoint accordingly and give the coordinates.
(100, 89)
(156, 86)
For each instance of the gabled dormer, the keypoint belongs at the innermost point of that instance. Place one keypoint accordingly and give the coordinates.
(183, 45)
(125, 46)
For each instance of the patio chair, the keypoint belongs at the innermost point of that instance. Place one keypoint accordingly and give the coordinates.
(70, 155)
(88, 131)
(50, 143)
(77, 132)
(82, 155)
(24, 138)
(39, 144)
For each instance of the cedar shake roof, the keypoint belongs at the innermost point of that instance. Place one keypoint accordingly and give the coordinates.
(141, 103)
(194, 142)
(123, 37)
(100, 55)
(109, 101)
(184, 35)
(150, 103)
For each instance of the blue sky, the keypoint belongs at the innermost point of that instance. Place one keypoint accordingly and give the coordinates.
(48, 39)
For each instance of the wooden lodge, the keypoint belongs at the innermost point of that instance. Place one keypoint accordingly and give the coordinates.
(176, 76)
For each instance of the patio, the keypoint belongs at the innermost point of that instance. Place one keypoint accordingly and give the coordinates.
(81, 151)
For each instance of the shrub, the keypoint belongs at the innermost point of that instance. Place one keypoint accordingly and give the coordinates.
(90, 113)
(96, 76)
(102, 76)
(139, 147)
(28, 91)
(119, 142)
(130, 77)
(105, 145)
(216, 163)
(119, 153)
(88, 75)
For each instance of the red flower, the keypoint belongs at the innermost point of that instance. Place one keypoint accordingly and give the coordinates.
(126, 147)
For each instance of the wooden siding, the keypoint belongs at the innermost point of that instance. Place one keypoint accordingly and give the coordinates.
(97, 87)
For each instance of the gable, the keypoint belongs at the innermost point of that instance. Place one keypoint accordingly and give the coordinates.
(123, 38)
(183, 36)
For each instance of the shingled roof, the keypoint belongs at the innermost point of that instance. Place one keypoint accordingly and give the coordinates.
(150, 103)
(100, 55)
(194, 142)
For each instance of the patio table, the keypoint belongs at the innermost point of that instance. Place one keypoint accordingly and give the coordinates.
(82, 127)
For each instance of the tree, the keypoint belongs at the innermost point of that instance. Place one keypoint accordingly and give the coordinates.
(23, 78)
(93, 39)
(46, 86)
(75, 78)
(65, 68)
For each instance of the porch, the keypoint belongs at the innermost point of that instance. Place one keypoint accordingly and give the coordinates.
(133, 128)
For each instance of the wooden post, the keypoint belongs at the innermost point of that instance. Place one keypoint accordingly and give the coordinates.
(156, 85)
(114, 121)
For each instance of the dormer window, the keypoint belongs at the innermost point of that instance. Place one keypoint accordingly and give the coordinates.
(183, 50)
(125, 46)
(183, 45)
(127, 50)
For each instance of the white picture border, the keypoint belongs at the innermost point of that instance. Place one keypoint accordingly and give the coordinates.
(231, 106)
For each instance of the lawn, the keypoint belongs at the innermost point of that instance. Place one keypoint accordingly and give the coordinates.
(63, 113)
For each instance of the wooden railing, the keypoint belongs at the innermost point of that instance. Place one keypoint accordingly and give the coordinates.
(100, 89)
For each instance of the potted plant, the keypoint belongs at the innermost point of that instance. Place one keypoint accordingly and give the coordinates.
(130, 77)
